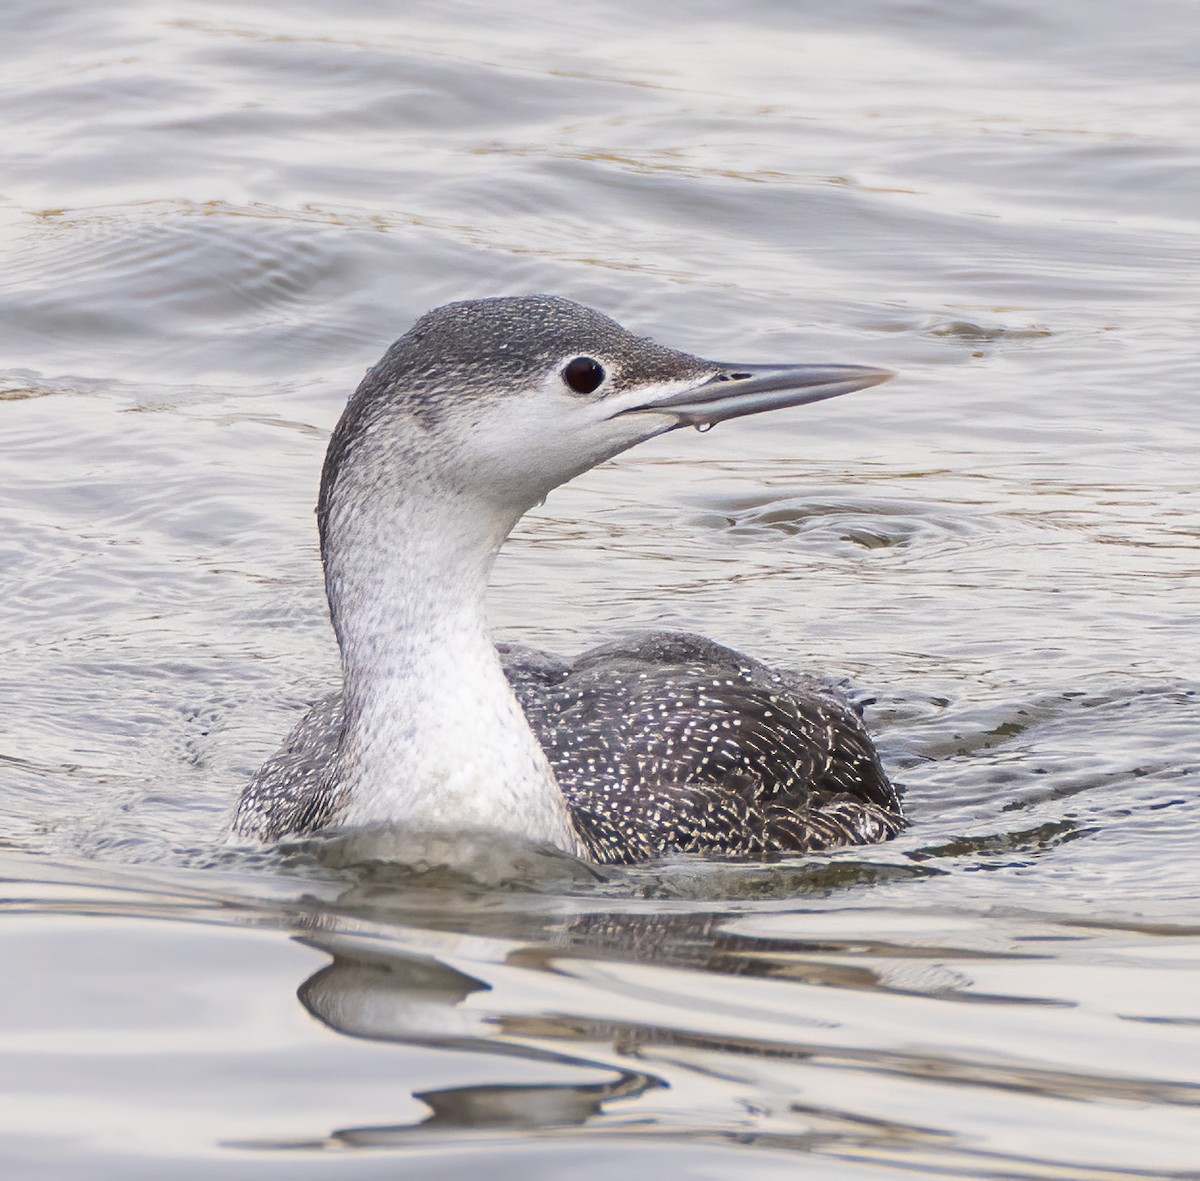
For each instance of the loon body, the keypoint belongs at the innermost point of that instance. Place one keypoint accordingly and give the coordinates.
(664, 743)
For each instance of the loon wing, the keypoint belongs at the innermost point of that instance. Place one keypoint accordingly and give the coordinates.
(669, 742)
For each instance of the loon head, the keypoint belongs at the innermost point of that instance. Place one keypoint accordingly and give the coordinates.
(495, 402)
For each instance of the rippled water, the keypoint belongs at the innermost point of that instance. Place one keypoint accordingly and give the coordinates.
(214, 217)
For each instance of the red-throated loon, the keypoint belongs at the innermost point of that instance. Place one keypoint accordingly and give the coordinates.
(666, 743)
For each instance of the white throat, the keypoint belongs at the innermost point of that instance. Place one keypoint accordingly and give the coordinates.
(434, 737)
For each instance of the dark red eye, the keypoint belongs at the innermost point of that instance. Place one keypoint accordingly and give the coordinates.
(583, 374)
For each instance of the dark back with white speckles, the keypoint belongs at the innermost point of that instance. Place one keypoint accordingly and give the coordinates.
(671, 743)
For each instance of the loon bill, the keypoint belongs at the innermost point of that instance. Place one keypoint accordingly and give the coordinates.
(660, 744)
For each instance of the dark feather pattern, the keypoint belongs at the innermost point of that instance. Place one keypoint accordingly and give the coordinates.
(670, 743)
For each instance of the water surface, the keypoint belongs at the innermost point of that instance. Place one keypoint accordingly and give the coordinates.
(215, 216)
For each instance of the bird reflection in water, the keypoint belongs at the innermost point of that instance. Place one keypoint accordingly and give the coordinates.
(388, 992)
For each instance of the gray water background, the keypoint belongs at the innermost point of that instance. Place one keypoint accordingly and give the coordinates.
(213, 217)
